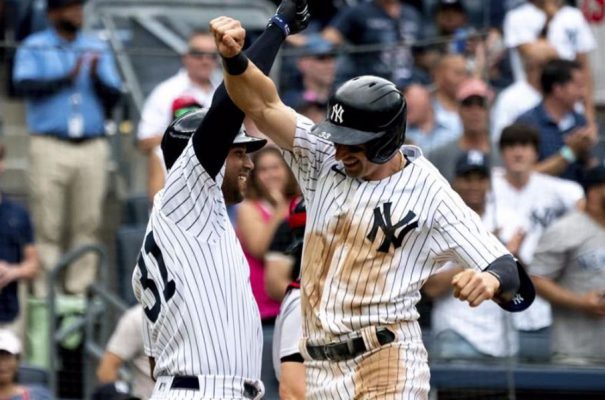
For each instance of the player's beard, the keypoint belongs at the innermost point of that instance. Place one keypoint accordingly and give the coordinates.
(233, 189)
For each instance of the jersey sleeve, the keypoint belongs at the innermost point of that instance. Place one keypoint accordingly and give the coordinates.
(585, 41)
(291, 326)
(520, 27)
(570, 193)
(460, 236)
(192, 199)
(307, 156)
(155, 116)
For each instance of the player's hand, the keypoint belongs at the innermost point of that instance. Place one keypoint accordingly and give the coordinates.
(7, 274)
(474, 286)
(228, 35)
(73, 74)
(295, 13)
(593, 303)
(94, 64)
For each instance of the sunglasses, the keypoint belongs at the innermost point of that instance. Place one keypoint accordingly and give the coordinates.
(474, 101)
(201, 54)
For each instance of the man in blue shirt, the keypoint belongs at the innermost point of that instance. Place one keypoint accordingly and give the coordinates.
(389, 27)
(565, 137)
(18, 258)
(70, 83)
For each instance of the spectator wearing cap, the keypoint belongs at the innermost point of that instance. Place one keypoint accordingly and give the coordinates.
(569, 271)
(316, 65)
(423, 128)
(18, 259)
(566, 138)
(389, 27)
(460, 331)
(10, 354)
(70, 83)
(156, 168)
(473, 97)
(199, 78)
(536, 199)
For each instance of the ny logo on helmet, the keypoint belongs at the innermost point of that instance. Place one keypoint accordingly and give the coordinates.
(336, 114)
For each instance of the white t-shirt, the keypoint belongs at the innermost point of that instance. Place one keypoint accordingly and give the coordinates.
(510, 104)
(568, 32)
(543, 200)
(126, 342)
(157, 110)
(487, 327)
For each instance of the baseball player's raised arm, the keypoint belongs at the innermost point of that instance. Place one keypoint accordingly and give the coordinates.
(252, 91)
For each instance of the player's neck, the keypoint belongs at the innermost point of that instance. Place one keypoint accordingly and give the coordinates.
(518, 180)
(391, 167)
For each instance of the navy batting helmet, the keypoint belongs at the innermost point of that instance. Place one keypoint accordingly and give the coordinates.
(181, 129)
(366, 110)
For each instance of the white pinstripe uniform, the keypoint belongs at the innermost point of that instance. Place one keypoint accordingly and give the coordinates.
(193, 280)
(356, 278)
(288, 329)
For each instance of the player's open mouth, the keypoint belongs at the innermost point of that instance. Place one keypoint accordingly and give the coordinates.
(243, 178)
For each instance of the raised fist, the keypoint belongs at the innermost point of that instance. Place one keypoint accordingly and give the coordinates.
(295, 13)
(228, 35)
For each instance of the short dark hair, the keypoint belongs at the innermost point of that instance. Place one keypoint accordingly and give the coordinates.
(519, 133)
(557, 72)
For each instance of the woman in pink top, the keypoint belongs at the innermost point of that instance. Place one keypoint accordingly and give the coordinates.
(270, 190)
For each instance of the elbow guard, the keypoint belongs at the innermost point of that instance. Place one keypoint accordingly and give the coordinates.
(517, 292)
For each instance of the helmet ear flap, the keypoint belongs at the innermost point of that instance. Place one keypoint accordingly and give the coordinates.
(381, 150)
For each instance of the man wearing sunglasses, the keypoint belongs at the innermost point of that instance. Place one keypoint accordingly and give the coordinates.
(474, 98)
(198, 79)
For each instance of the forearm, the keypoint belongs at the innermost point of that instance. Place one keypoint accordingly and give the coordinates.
(553, 165)
(589, 105)
(29, 267)
(439, 285)
(40, 88)
(556, 294)
(505, 269)
(109, 95)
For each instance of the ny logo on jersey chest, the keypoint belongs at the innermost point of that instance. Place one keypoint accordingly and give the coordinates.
(382, 221)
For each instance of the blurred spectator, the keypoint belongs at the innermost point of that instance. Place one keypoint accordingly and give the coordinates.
(10, 354)
(449, 73)
(536, 199)
(270, 190)
(563, 27)
(424, 129)
(316, 66)
(314, 110)
(389, 26)
(474, 98)
(198, 79)
(156, 168)
(18, 259)
(523, 94)
(287, 360)
(565, 137)
(71, 84)
(126, 345)
(569, 271)
(459, 330)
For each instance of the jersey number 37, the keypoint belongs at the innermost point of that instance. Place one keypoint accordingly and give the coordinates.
(152, 249)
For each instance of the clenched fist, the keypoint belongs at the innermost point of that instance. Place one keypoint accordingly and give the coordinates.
(474, 286)
(228, 35)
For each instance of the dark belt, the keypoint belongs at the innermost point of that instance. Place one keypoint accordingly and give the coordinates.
(348, 349)
(193, 383)
(72, 140)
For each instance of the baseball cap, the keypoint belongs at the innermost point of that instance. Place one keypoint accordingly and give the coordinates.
(55, 4)
(474, 87)
(472, 161)
(316, 46)
(457, 5)
(594, 176)
(9, 342)
(184, 104)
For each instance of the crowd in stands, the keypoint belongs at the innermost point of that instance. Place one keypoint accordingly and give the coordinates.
(503, 108)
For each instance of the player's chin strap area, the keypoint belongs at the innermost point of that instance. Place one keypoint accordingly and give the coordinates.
(369, 338)
(227, 387)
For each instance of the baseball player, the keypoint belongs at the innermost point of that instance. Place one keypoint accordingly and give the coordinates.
(287, 360)
(380, 220)
(202, 327)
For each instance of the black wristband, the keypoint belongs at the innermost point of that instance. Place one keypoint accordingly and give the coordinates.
(236, 65)
(505, 270)
(280, 23)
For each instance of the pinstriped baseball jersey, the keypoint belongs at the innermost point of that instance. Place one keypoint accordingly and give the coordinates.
(193, 281)
(370, 245)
